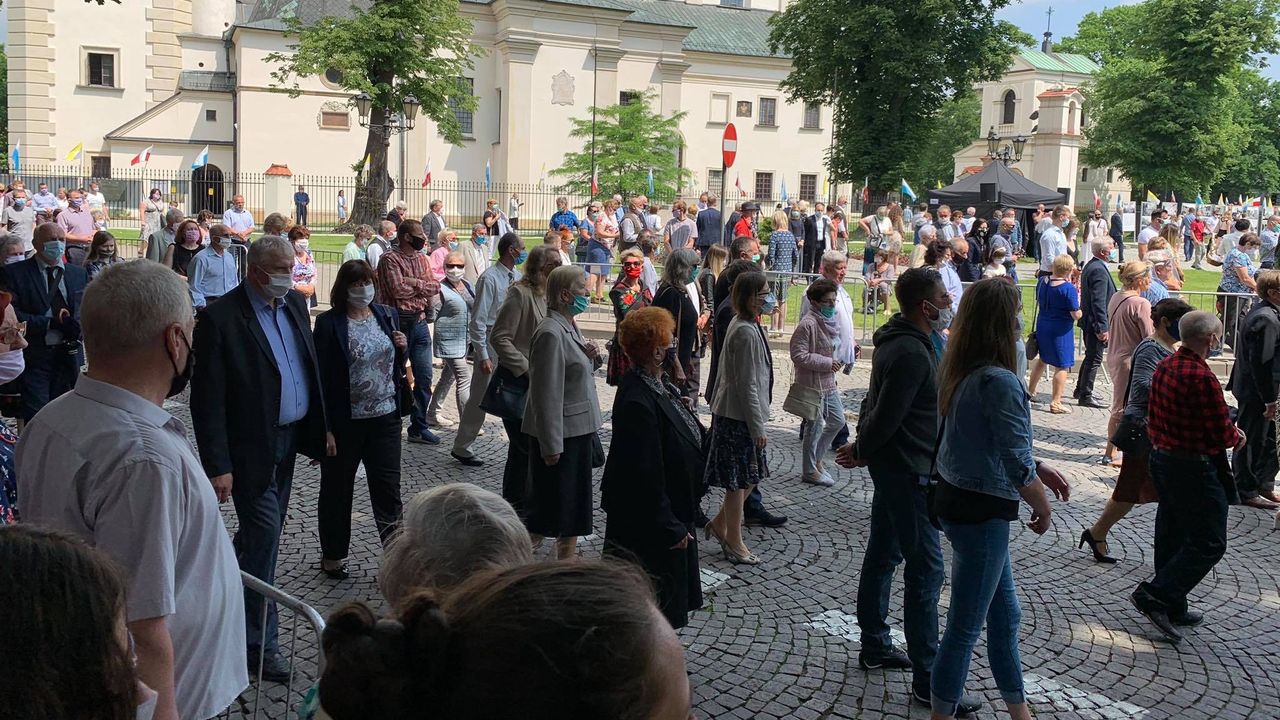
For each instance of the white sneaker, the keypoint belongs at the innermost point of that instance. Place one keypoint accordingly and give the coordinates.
(823, 480)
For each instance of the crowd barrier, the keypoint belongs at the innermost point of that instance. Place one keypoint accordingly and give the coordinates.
(281, 701)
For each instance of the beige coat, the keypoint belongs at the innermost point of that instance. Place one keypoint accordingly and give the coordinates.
(562, 389)
(518, 318)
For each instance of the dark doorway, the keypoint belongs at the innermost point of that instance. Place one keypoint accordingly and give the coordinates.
(206, 190)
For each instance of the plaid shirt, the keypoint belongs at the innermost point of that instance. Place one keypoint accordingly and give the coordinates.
(1187, 411)
(395, 268)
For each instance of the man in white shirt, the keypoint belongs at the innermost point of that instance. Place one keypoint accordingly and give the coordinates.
(513, 211)
(1150, 232)
(1231, 239)
(239, 220)
(1053, 240)
(94, 198)
(970, 215)
(947, 228)
(380, 243)
(107, 463)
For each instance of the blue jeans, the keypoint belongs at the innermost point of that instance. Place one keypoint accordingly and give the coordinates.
(420, 360)
(982, 591)
(257, 542)
(900, 531)
(821, 432)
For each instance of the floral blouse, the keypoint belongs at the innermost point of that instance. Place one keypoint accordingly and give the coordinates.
(304, 270)
(373, 388)
(625, 299)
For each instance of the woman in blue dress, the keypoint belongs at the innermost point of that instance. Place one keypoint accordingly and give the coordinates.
(1059, 308)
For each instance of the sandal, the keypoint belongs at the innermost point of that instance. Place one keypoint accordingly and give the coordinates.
(1059, 409)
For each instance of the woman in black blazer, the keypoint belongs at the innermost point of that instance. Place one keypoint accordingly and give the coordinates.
(652, 481)
(360, 351)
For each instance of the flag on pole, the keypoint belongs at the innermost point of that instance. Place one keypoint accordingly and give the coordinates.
(1240, 200)
(542, 177)
(426, 175)
(1222, 199)
(651, 181)
(488, 176)
(738, 184)
(143, 157)
(1097, 201)
(1173, 198)
(866, 190)
(595, 181)
(1256, 202)
(16, 157)
(784, 190)
(939, 185)
(76, 152)
(906, 190)
(1151, 197)
(1199, 200)
(826, 187)
(202, 159)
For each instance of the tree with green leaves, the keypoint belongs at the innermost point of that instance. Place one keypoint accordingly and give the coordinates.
(391, 51)
(887, 68)
(957, 125)
(1166, 107)
(630, 140)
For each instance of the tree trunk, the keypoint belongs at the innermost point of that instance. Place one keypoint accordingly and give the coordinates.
(374, 185)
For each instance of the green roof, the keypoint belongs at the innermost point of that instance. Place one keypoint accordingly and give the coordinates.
(1059, 62)
(715, 29)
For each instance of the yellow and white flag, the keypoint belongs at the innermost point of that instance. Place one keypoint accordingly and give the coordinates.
(76, 152)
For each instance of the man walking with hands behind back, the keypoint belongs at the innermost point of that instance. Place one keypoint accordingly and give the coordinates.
(896, 434)
(255, 404)
(1096, 288)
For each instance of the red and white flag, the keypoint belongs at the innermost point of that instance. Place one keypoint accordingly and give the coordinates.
(1097, 201)
(142, 157)
(426, 179)
(738, 184)
(1256, 202)
(595, 181)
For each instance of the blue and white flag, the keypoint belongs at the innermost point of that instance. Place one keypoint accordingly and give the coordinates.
(1199, 200)
(202, 159)
(651, 181)
(488, 178)
(784, 190)
(906, 190)
(16, 157)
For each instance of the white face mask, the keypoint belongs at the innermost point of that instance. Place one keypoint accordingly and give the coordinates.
(360, 296)
(14, 259)
(11, 365)
(455, 273)
(278, 285)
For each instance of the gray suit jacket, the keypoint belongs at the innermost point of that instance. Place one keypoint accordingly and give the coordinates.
(433, 225)
(562, 399)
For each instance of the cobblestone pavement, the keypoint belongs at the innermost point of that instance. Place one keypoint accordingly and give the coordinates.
(779, 640)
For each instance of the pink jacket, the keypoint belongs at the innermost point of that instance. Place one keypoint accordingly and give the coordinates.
(812, 353)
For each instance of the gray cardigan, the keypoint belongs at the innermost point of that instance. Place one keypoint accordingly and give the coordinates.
(744, 383)
(452, 314)
(562, 399)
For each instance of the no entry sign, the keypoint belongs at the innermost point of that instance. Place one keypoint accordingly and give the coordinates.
(730, 144)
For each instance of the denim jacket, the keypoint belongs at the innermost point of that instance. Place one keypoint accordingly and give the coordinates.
(986, 436)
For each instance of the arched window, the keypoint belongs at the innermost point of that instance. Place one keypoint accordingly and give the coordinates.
(1010, 108)
(1071, 118)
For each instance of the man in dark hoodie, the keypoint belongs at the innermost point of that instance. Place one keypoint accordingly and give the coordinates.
(896, 433)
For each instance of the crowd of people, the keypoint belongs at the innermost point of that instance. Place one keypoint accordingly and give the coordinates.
(114, 509)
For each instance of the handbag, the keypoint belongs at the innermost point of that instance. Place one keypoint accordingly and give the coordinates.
(1131, 431)
(802, 401)
(1033, 342)
(505, 397)
(597, 451)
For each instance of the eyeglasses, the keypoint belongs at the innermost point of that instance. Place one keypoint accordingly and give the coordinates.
(455, 266)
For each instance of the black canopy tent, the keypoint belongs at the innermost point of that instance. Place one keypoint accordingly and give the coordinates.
(1011, 191)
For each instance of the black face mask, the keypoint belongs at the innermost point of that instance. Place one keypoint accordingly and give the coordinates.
(417, 242)
(183, 377)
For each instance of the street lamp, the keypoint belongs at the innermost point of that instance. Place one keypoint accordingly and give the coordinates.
(1009, 153)
(395, 123)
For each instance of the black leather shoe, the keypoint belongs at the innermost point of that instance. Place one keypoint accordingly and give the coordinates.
(1190, 618)
(1089, 402)
(1159, 618)
(468, 461)
(764, 518)
(890, 659)
(965, 708)
(274, 668)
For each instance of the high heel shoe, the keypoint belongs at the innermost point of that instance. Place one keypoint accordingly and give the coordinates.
(709, 532)
(733, 557)
(1086, 537)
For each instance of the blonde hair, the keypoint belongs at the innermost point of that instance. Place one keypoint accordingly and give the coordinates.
(631, 252)
(1132, 273)
(978, 339)
(1063, 265)
(781, 222)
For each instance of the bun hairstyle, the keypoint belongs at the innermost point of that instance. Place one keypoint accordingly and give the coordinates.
(543, 641)
(1133, 272)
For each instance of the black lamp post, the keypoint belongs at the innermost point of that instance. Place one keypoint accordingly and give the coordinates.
(395, 122)
(1010, 152)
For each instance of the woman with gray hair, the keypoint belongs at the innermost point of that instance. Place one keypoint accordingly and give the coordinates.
(451, 315)
(677, 295)
(562, 416)
(448, 534)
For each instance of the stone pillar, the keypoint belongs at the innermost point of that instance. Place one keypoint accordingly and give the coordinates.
(517, 107)
(277, 192)
(606, 74)
(31, 79)
(671, 71)
(167, 19)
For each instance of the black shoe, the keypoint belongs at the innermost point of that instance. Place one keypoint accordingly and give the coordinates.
(468, 461)
(1158, 617)
(891, 658)
(1190, 618)
(335, 573)
(427, 437)
(1086, 538)
(764, 518)
(966, 707)
(274, 667)
(1089, 402)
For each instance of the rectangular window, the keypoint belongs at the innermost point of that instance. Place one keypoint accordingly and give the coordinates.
(808, 187)
(211, 116)
(100, 166)
(102, 69)
(812, 115)
(335, 120)
(466, 118)
(1084, 174)
(719, 108)
(764, 186)
(731, 3)
(1111, 174)
(713, 181)
(768, 112)
(627, 97)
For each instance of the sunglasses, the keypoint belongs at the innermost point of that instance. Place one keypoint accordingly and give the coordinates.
(456, 266)
(632, 264)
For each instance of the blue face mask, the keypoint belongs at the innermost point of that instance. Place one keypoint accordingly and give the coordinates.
(694, 276)
(770, 303)
(53, 251)
(580, 304)
(482, 239)
(524, 255)
(827, 312)
(453, 246)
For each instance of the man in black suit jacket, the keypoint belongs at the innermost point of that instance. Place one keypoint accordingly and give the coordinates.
(1096, 289)
(255, 404)
(1117, 233)
(46, 296)
(1255, 381)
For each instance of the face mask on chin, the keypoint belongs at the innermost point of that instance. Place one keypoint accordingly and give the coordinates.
(179, 382)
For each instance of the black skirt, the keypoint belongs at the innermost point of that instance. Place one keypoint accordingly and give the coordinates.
(674, 572)
(560, 504)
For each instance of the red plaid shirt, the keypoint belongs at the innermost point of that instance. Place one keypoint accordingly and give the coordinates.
(1186, 410)
(392, 287)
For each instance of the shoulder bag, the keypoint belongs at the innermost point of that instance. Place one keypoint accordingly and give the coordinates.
(1131, 431)
(1033, 342)
(802, 401)
(505, 397)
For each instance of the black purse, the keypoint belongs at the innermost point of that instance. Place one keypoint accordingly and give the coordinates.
(505, 397)
(1032, 345)
(1131, 431)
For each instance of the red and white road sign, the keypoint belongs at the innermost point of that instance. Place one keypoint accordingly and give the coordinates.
(730, 145)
